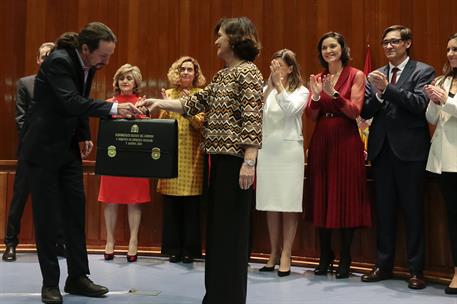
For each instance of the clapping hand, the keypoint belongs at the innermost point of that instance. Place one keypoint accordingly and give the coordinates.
(379, 80)
(436, 93)
(327, 85)
(315, 84)
(275, 75)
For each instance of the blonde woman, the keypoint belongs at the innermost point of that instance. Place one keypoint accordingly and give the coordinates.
(181, 236)
(124, 190)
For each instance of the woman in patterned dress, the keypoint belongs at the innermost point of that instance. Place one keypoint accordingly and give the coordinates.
(181, 237)
(232, 104)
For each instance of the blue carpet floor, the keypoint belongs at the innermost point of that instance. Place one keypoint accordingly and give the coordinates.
(154, 280)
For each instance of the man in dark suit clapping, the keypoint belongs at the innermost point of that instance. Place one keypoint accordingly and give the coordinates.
(398, 146)
(58, 121)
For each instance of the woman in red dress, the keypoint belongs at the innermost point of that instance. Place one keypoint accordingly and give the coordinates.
(336, 160)
(124, 190)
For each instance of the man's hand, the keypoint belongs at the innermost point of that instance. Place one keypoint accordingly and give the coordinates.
(379, 80)
(127, 110)
(86, 147)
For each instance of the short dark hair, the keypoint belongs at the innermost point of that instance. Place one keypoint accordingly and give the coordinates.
(294, 79)
(242, 37)
(345, 51)
(405, 33)
(90, 35)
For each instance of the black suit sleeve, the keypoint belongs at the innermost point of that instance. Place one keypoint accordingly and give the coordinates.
(83, 131)
(61, 81)
(414, 101)
(371, 104)
(22, 103)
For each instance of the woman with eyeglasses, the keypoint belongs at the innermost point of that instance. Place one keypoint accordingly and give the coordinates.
(336, 158)
(442, 159)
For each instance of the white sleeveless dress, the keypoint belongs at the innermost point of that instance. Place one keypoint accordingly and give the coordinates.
(280, 161)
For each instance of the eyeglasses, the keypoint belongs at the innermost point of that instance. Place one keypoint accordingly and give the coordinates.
(392, 42)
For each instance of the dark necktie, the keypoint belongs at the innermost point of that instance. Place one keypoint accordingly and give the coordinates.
(393, 80)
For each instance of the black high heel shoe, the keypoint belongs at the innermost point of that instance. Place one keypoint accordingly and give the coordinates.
(325, 265)
(343, 270)
(269, 268)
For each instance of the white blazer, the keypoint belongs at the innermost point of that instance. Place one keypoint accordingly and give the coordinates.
(292, 105)
(443, 151)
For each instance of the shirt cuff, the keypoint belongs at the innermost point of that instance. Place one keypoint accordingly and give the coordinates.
(379, 98)
(113, 110)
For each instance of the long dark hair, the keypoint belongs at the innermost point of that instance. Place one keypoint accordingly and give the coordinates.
(294, 79)
(90, 35)
(345, 51)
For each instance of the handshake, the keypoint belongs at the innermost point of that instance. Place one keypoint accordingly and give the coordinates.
(142, 107)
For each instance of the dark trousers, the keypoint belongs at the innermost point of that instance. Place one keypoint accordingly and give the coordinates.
(21, 190)
(227, 234)
(181, 226)
(399, 185)
(59, 187)
(448, 185)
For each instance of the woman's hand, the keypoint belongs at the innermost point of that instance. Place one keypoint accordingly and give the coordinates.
(436, 94)
(247, 174)
(315, 85)
(275, 74)
(327, 85)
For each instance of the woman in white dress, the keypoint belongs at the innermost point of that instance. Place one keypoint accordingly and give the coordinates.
(442, 159)
(280, 162)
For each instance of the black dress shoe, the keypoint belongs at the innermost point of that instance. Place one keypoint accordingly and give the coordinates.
(83, 286)
(174, 258)
(187, 259)
(376, 275)
(10, 254)
(450, 290)
(60, 250)
(416, 282)
(51, 295)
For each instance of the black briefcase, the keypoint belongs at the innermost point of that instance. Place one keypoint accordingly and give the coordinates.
(138, 148)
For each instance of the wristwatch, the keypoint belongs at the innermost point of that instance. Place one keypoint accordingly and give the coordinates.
(336, 95)
(249, 162)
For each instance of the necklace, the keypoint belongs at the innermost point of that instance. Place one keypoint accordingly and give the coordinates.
(336, 76)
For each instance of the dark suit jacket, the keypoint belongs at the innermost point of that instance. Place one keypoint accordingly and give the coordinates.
(401, 117)
(24, 96)
(59, 116)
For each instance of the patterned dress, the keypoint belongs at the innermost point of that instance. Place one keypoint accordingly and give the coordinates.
(190, 156)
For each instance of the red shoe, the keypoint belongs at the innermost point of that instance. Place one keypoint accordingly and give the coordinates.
(108, 256)
(132, 258)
